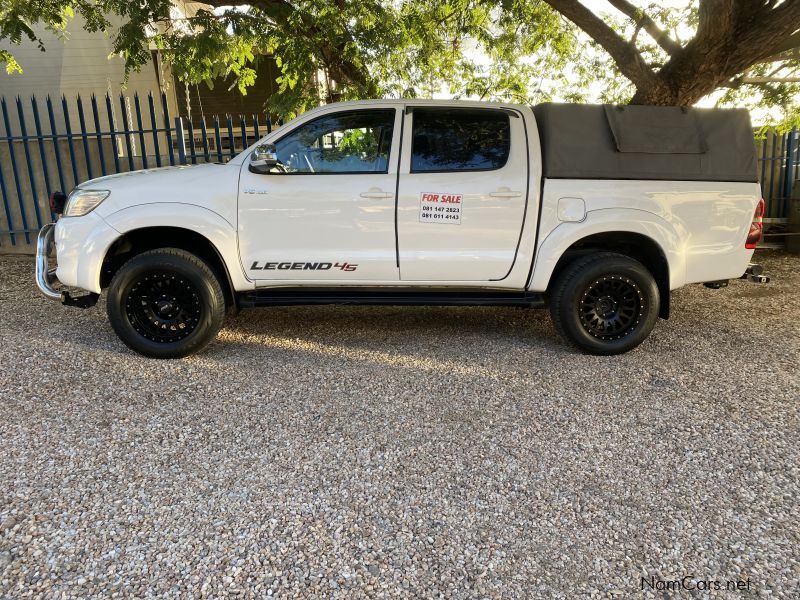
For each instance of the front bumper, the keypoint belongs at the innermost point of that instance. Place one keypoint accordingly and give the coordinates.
(46, 277)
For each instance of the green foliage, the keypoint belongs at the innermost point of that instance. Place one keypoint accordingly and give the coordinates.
(12, 66)
(512, 50)
(780, 102)
(774, 105)
(360, 142)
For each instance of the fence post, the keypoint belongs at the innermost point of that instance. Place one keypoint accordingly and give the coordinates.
(242, 125)
(167, 128)
(14, 172)
(181, 140)
(156, 149)
(791, 149)
(6, 205)
(142, 146)
(42, 155)
(84, 138)
(217, 138)
(56, 146)
(29, 163)
(231, 143)
(204, 133)
(192, 149)
(112, 130)
(70, 144)
(124, 106)
(98, 134)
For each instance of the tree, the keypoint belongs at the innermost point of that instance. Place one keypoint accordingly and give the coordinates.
(305, 35)
(731, 38)
(364, 48)
(522, 50)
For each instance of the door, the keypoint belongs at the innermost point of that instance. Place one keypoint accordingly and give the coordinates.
(462, 193)
(326, 212)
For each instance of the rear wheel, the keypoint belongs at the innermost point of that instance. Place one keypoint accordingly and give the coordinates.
(166, 303)
(605, 303)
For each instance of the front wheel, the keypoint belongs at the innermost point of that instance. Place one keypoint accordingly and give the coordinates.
(605, 303)
(166, 303)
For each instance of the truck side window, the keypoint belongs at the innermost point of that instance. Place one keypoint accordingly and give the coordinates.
(346, 142)
(464, 139)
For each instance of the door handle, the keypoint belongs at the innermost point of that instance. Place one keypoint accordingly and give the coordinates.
(505, 194)
(377, 195)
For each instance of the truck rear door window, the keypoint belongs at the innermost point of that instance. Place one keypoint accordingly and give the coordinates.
(461, 139)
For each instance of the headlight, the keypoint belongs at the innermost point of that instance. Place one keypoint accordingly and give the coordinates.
(81, 201)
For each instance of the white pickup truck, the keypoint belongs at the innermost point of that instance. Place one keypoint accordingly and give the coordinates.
(595, 211)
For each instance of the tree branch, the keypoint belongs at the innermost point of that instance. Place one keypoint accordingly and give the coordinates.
(783, 56)
(715, 18)
(329, 50)
(625, 55)
(645, 22)
(791, 43)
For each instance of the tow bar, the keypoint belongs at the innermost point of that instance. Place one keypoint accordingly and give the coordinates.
(753, 274)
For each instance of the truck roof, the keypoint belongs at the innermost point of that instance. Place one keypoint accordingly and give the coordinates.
(426, 102)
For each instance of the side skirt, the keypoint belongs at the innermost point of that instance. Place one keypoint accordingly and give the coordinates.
(295, 297)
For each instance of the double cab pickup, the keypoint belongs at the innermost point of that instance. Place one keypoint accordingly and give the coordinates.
(595, 211)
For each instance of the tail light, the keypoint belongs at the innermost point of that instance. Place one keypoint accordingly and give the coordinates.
(756, 227)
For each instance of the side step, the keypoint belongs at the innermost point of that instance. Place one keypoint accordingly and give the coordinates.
(295, 297)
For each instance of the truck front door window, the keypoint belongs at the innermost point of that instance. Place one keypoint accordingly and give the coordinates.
(347, 142)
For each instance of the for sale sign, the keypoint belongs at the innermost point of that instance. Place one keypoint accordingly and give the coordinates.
(440, 208)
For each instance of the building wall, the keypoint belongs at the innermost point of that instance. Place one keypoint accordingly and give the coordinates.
(224, 97)
(81, 64)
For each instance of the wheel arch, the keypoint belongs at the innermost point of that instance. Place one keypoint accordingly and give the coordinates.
(139, 240)
(635, 245)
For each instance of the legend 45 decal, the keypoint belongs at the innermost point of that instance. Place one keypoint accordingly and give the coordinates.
(440, 208)
(302, 266)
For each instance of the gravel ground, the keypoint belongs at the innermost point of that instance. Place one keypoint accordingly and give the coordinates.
(402, 452)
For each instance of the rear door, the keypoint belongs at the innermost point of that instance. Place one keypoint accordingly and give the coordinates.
(462, 193)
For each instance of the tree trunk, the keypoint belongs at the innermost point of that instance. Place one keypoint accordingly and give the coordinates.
(678, 90)
(691, 74)
(728, 42)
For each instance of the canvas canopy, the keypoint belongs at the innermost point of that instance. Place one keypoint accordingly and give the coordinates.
(585, 141)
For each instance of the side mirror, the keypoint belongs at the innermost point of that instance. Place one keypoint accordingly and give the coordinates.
(263, 159)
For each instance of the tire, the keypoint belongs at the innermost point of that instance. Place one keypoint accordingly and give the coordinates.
(605, 303)
(165, 303)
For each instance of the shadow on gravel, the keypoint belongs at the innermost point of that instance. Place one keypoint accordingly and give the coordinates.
(396, 326)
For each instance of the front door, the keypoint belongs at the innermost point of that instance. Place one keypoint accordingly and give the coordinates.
(326, 212)
(462, 193)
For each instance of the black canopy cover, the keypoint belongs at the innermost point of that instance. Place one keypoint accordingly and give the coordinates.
(586, 141)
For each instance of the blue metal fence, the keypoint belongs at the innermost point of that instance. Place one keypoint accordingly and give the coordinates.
(113, 135)
(123, 135)
(779, 169)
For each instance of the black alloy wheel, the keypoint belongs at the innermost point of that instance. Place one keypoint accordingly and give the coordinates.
(604, 303)
(611, 307)
(163, 308)
(166, 303)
